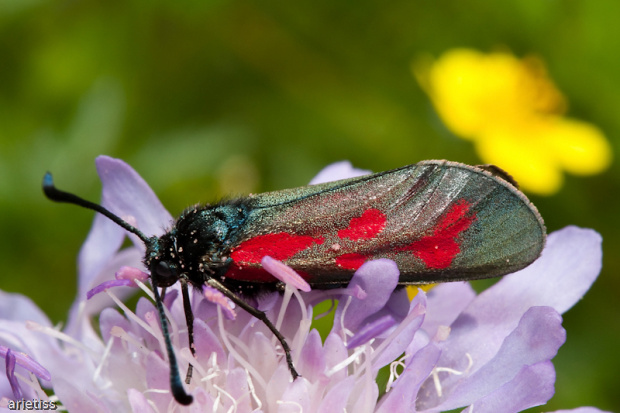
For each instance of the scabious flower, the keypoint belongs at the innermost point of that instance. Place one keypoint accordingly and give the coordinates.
(448, 349)
(514, 114)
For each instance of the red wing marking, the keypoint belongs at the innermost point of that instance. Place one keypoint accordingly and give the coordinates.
(438, 250)
(280, 246)
(367, 226)
(351, 261)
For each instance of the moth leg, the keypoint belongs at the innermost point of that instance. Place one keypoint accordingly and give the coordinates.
(261, 316)
(189, 320)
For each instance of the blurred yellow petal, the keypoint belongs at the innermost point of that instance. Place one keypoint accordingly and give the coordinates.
(580, 147)
(472, 90)
(544, 97)
(412, 290)
(524, 156)
(512, 110)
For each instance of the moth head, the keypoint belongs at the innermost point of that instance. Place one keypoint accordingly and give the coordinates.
(160, 259)
(164, 260)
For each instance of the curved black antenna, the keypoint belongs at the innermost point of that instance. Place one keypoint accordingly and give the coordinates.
(175, 379)
(57, 195)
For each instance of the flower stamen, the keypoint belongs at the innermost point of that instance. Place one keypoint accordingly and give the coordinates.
(52, 332)
(394, 374)
(346, 362)
(252, 390)
(345, 331)
(234, 353)
(104, 358)
(221, 391)
(155, 332)
(437, 370)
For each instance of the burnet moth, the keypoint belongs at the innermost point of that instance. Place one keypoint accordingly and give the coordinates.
(438, 220)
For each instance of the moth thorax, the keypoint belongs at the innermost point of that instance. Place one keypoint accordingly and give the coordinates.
(208, 232)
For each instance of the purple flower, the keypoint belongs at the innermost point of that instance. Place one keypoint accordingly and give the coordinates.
(448, 349)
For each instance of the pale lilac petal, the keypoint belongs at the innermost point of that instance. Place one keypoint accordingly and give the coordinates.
(536, 339)
(102, 243)
(109, 318)
(569, 264)
(17, 307)
(27, 337)
(296, 397)
(496, 311)
(27, 346)
(20, 325)
(170, 298)
(203, 402)
(146, 311)
(126, 194)
(237, 387)
(371, 330)
(105, 237)
(82, 308)
(378, 278)
(337, 171)
(364, 396)
(277, 383)
(402, 396)
(206, 342)
(158, 378)
(402, 336)
(335, 353)
(398, 305)
(129, 257)
(445, 302)
(532, 386)
(138, 403)
(337, 397)
(585, 409)
(312, 358)
(264, 356)
(76, 399)
(284, 273)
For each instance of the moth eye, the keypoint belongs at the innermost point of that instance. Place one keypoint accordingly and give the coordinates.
(166, 274)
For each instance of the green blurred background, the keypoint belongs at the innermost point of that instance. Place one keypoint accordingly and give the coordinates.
(208, 98)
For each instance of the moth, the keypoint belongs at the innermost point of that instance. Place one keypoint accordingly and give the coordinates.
(439, 221)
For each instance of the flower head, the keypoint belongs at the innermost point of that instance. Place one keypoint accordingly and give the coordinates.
(432, 343)
(514, 114)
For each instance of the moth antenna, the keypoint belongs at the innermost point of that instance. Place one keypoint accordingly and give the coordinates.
(175, 379)
(56, 195)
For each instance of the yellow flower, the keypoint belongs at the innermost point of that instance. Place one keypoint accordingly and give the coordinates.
(412, 290)
(513, 113)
